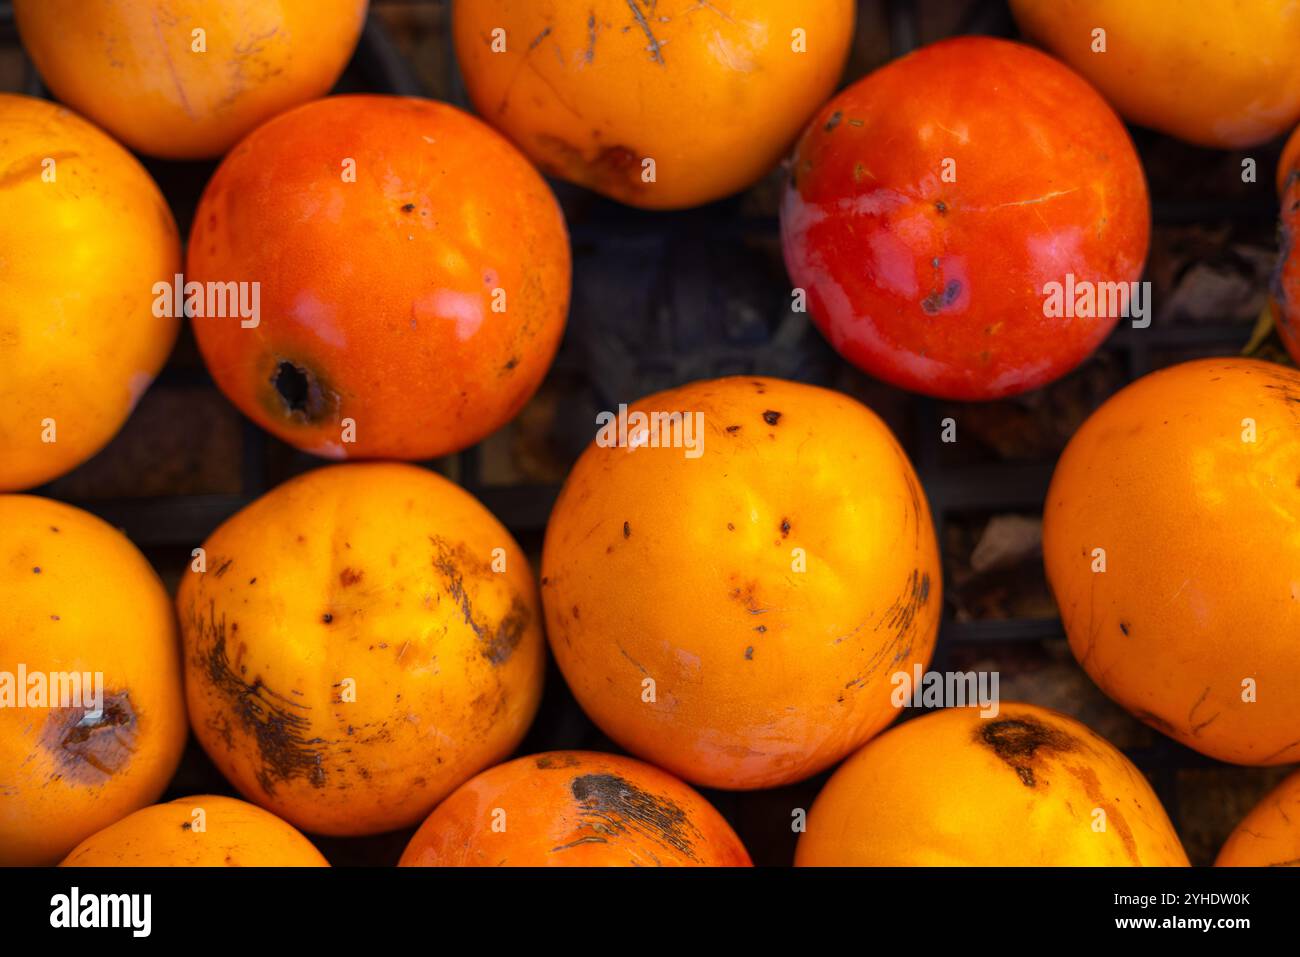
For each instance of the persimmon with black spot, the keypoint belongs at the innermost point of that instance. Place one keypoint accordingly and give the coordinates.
(412, 270)
(735, 616)
(1026, 787)
(358, 642)
(575, 809)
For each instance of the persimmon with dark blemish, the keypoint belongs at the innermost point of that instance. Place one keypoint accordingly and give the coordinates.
(1269, 836)
(71, 762)
(816, 537)
(712, 93)
(1025, 787)
(575, 809)
(382, 333)
(426, 668)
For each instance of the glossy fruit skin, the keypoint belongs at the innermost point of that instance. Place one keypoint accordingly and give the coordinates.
(381, 292)
(74, 253)
(236, 834)
(1022, 788)
(379, 573)
(938, 286)
(1269, 836)
(1202, 544)
(575, 809)
(1219, 73)
(684, 571)
(131, 66)
(77, 596)
(715, 99)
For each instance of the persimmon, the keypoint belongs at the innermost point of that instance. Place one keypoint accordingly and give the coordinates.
(84, 236)
(1171, 537)
(92, 715)
(358, 642)
(940, 216)
(1026, 788)
(413, 275)
(1285, 301)
(1269, 836)
(1216, 72)
(729, 597)
(574, 809)
(661, 105)
(185, 79)
(206, 830)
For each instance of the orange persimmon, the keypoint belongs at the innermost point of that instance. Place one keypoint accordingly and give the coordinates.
(185, 79)
(92, 716)
(412, 271)
(1028, 787)
(1269, 836)
(660, 105)
(733, 609)
(1220, 73)
(84, 236)
(358, 642)
(1171, 537)
(206, 830)
(574, 809)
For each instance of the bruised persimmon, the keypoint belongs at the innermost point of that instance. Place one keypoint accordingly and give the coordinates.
(185, 79)
(92, 716)
(1219, 73)
(574, 809)
(662, 105)
(84, 236)
(1171, 537)
(201, 831)
(358, 642)
(1027, 787)
(729, 596)
(1269, 836)
(404, 271)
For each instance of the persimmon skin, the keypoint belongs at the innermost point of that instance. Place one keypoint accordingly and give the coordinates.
(79, 255)
(793, 573)
(131, 67)
(931, 202)
(714, 99)
(1021, 788)
(422, 302)
(77, 596)
(351, 654)
(235, 834)
(1187, 480)
(1285, 301)
(575, 809)
(1269, 836)
(1218, 73)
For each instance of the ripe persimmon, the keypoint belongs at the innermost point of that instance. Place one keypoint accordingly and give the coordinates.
(661, 105)
(412, 270)
(92, 716)
(185, 79)
(574, 809)
(1171, 537)
(1028, 787)
(84, 237)
(206, 830)
(732, 608)
(954, 233)
(358, 642)
(1269, 836)
(1219, 73)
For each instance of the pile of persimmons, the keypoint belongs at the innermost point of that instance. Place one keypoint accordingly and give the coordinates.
(734, 576)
